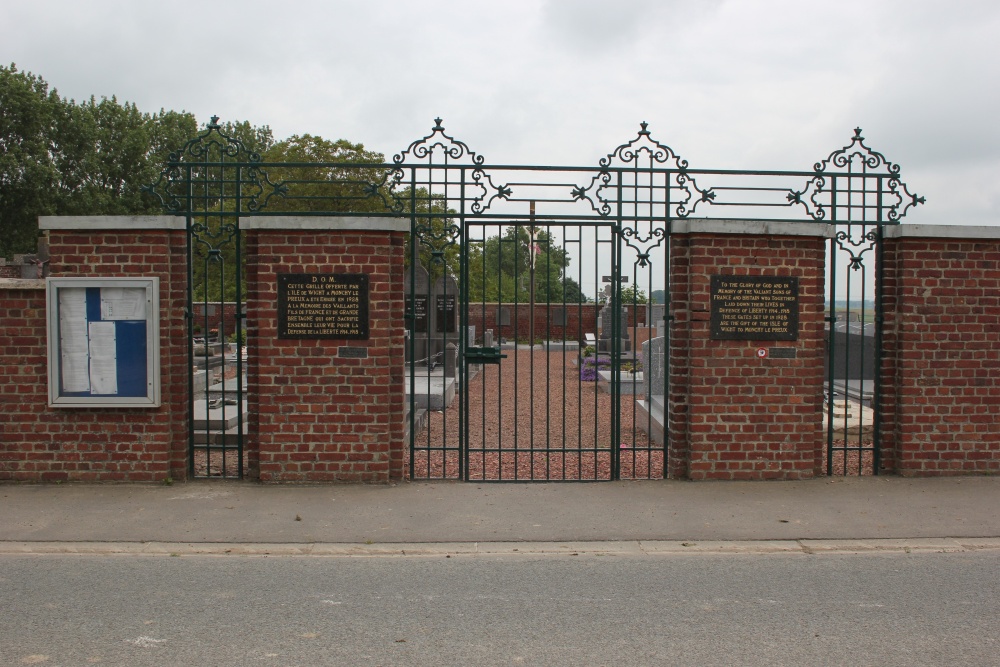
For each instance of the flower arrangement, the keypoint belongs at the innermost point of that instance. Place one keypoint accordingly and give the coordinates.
(591, 365)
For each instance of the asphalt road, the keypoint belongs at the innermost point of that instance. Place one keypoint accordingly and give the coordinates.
(798, 609)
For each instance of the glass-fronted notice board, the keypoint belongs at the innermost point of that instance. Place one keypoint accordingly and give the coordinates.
(103, 342)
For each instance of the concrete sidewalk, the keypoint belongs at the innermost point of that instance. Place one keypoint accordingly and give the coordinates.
(881, 508)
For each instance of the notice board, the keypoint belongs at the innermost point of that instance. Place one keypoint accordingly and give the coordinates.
(103, 342)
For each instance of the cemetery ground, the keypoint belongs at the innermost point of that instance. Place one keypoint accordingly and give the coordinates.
(532, 418)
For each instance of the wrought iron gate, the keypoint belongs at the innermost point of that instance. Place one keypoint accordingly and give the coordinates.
(213, 181)
(510, 267)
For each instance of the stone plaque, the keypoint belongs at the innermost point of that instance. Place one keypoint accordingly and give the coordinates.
(352, 352)
(755, 308)
(446, 313)
(419, 304)
(323, 305)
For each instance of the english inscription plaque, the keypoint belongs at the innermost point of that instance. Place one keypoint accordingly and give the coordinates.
(323, 305)
(755, 308)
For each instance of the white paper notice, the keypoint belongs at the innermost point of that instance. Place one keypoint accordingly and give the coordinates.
(73, 346)
(103, 359)
(123, 303)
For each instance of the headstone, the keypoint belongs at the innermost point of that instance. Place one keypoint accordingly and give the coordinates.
(606, 323)
(418, 297)
(654, 366)
(445, 305)
(450, 360)
(651, 410)
(488, 338)
(854, 355)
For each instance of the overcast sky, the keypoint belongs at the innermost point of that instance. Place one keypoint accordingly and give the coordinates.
(727, 84)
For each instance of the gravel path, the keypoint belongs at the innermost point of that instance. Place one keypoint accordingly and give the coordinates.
(532, 418)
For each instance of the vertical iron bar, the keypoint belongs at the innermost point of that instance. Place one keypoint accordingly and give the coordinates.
(189, 316)
(616, 343)
(879, 341)
(463, 323)
(831, 356)
(238, 328)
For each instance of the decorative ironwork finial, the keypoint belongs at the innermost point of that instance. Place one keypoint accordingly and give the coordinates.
(437, 125)
(214, 125)
(644, 125)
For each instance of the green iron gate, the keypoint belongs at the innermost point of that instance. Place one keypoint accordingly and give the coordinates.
(538, 303)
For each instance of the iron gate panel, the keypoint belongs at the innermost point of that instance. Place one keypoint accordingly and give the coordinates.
(613, 219)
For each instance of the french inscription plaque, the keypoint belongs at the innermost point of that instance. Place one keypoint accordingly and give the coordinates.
(755, 308)
(323, 305)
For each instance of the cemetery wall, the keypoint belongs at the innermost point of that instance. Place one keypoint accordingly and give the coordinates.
(331, 410)
(941, 381)
(552, 321)
(737, 414)
(326, 409)
(219, 319)
(42, 443)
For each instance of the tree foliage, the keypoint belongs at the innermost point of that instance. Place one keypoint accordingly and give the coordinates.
(505, 267)
(633, 295)
(58, 157)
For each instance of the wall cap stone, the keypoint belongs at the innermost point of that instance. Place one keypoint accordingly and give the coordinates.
(293, 223)
(754, 228)
(940, 232)
(22, 283)
(112, 222)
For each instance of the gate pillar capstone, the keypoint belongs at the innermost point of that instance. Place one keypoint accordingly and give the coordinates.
(745, 409)
(326, 409)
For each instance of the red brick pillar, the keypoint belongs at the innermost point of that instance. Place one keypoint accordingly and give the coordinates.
(42, 443)
(735, 414)
(941, 386)
(326, 409)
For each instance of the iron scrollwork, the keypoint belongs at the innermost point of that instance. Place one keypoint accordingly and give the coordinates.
(206, 156)
(873, 186)
(648, 184)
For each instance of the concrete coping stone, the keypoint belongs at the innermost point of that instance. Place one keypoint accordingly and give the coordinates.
(22, 283)
(112, 222)
(291, 223)
(754, 228)
(940, 232)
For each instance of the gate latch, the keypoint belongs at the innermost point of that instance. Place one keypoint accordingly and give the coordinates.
(483, 355)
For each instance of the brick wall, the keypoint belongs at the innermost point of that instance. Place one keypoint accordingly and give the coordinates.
(41, 443)
(580, 319)
(315, 416)
(941, 386)
(220, 317)
(735, 415)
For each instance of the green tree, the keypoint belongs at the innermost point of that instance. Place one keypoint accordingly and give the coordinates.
(500, 269)
(632, 295)
(62, 158)
(330, 177)
(28, 113)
